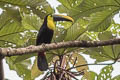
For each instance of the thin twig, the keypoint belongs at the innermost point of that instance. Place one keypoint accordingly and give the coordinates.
(75, 62)
(91, 64)
(55, 66)
(67, 64)
(68, 72)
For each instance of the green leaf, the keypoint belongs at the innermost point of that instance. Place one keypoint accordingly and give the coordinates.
(116, 51)
(10, 31)
(112, 50)
(104, 53)
(105, 73)
(116, 77)
(80, 60)
(29, 39)
(100, 21)
(76, 30)
(31, 22)
(23, 3)
(35, 72)
(42, 9)
(70, 3)
(23, 57)
(62, 9)
(87, 7)
(39, 7)
(107, 49)
(65, 24)
(14, 13)
(49, 56)
(93, 75)
(98, 54)
(59, 35)
(21, 68)
(105, 35)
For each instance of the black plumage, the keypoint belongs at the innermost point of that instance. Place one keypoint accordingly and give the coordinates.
(45, 36)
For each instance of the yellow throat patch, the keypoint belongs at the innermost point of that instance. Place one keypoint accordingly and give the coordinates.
(50, 23)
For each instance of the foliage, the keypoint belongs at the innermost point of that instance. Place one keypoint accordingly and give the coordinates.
(21, 19)
(104, 74)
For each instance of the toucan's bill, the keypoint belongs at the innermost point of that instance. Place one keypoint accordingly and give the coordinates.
(62, 18)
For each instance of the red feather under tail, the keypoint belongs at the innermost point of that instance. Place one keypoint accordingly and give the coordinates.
(42, 61)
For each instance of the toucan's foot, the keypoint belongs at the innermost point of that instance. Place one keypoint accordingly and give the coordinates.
(31, 46)
(43, 45)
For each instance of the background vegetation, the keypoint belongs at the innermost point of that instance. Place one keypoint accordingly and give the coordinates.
(21, 19)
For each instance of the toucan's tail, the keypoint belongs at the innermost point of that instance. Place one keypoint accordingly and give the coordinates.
(42, 62)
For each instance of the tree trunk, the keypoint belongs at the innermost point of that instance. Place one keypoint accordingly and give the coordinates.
(1, 68)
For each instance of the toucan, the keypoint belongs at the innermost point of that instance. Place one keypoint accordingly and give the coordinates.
(45, 35)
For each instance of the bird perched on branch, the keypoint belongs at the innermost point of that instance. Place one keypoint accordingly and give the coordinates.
(45, 36)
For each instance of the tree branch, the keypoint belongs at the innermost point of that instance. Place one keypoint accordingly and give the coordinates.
(52, 46)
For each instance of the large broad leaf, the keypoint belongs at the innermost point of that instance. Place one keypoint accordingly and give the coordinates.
(14, 13)
(116, 77)
(63, 9)
(21, 68)
(105, 73)
(100, 21)
(87, 7)
(105, 35)
(59, 35)
(98, 54)
(22, 2)
(23, 57)
(42, 11)
(10, 27)
(39, 7)
(11, 12)
(35, 72)
(29, 39)
(31, 22)
(104, 53)
(108, 50)
(93, 75)
(50, 56)
(116, 49)
(90, 6)
(76, 60)
(32, 3)
(74, 33)
(70, 3)
(113, 50)
(10, 30)
(76, 30)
